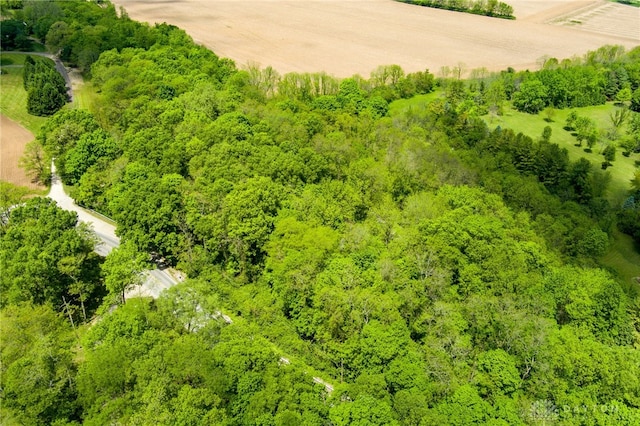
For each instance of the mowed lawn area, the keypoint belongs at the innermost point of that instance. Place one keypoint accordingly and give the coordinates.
(531, 125)
(13, 102)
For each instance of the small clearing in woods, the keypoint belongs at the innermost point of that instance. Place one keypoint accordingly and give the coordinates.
(13, 139)
(346, 37)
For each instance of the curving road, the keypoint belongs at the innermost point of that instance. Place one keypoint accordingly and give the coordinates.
(156, 280)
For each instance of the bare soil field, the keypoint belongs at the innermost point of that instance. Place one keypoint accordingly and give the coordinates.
(13, 139)
(346, 37)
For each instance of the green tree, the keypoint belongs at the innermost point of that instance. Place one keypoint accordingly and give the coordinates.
(465, 406)
(609, 154)
(44, 100)
(58, 36)
(148, 209)
(40, 15)
(122, 270)
(592, 138)
(13, 34)
(46, 89)
(624, 95)
(365, 410)
(584, 127)
(627, 144)
(635, 182)
(495, 96)
(546, 134)
(38, 242)
(618, 117)
(572, 117)
(549, 113)
(36, 162)
(90, 149)
(531, 98)
(633, 130)
(38, 369)
(498, 374)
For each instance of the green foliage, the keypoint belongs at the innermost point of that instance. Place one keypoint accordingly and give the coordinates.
(498, 374)
(609, 153)
(40, 242)
(64, 129)
(13, 35)
(160, 210)
(217, 375)
(38, 370)
(572, 117)
(432, 270)
(531, 98)
(546, 134)
(635, 100)
(46, 89)
(96, 148)
(584, 127)
(13, 102)
(122, 270)
(492, 8)
(363, 411)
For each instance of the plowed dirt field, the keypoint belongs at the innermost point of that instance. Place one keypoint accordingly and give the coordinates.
(349, 37)
(13, 139)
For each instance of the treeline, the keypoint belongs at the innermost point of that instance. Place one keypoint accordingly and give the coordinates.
(433, 270)
(46, 88)
(607, 74)
(493, 8)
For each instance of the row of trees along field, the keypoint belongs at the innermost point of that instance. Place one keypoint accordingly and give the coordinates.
(492, 8)
(46, 88)
(433, 270)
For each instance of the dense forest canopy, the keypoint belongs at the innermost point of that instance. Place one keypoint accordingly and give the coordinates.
(433, 270)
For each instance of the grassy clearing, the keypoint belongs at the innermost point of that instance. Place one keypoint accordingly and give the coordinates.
(418, 101)
(83, 97)
(12, 58)
(13, 102)
(624, 257)
(532, 125)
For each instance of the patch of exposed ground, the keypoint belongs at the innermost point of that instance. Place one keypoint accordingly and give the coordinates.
(13, 139)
